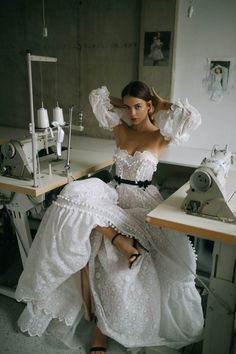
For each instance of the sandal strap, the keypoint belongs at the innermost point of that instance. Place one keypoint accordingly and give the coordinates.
(136, 256)
(115, 236)
(98, 349)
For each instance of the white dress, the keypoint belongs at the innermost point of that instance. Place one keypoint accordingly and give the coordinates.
(152, 304)
(155, 50)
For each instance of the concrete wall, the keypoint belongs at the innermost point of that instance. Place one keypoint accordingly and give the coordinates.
(108, 50)
(96, 43)
(21, 30)
(158, 16)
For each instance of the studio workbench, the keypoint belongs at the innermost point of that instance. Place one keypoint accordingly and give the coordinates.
(221, 303)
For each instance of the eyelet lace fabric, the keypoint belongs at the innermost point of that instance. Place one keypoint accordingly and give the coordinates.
(154, 303)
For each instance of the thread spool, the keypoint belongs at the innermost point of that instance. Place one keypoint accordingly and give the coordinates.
(58, 115)
(42, 118)
(50, 169)
(81, 127)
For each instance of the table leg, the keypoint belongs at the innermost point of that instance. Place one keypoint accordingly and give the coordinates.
(18, 208)
(23, 233)
(218, 333)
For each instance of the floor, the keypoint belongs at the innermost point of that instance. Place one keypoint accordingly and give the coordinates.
(14, 342)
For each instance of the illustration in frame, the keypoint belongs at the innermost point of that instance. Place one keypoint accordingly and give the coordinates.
(157, 48)
(218, 77)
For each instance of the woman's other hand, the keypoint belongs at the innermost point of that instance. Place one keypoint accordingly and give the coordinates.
(159, 103)
(116, 102)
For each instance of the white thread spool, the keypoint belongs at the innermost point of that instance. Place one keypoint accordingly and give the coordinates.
(42, 118)
(81, 127)
(58, 115)
(50, 169)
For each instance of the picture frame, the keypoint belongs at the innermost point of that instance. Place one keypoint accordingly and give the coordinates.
(219, 76)
(156, 48)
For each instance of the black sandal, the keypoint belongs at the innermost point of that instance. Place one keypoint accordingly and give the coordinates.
(133, 255)
(137, 244)
(115, 236)
(98, 349)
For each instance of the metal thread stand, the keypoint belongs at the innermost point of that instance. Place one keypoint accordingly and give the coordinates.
(31, 58)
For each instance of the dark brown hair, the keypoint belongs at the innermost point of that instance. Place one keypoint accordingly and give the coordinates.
(140, 90)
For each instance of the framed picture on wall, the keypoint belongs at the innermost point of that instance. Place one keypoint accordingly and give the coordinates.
(219, 75)
(157, 48)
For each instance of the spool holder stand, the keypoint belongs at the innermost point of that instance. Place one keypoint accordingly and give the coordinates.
(31, 58)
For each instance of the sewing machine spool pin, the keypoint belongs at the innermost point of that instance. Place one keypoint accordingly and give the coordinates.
(81, 116)
(67, 165)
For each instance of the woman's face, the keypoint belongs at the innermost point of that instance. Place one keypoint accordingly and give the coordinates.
(137, 109)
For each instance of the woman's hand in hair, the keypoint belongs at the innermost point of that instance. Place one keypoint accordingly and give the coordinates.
(159, 103)
(116, 102)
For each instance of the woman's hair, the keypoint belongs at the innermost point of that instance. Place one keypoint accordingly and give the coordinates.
(218, 68)
(140, 90)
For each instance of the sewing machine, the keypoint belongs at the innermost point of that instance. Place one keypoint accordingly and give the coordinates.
(26, 204)
(17, 158)
(209, 194)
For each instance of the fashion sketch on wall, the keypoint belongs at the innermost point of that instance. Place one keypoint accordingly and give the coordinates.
(157, 48)
(218, 77)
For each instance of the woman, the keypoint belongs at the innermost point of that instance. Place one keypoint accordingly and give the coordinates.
(217, 83)
(141, 277)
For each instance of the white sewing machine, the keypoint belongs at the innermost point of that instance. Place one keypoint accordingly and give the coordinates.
(17, 158)
(209, 194)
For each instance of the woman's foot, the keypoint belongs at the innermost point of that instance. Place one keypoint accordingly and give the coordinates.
(99, 342)
(126, 246)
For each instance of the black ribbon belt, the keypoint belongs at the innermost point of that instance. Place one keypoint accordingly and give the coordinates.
(140, 184)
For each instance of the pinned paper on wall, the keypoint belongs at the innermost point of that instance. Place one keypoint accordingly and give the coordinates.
(218, 80)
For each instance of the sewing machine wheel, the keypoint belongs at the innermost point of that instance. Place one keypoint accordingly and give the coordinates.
(200, 181)
(8, 150)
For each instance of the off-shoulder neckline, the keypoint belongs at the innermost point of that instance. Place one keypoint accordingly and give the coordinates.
(138, 152)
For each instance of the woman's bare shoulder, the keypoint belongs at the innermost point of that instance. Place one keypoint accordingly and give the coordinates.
(121, 127)
(120, 132)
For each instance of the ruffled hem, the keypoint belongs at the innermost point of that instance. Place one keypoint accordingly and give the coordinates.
(175, 328)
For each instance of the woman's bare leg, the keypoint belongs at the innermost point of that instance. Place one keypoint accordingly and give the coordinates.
(125, 245)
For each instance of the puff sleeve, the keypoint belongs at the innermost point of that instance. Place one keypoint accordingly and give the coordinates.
(107, 115)
(177, 123)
